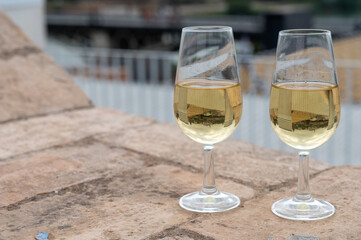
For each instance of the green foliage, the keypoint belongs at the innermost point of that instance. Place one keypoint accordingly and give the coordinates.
(344, 7)
(62, 1)
(239, 7)
(182, 1)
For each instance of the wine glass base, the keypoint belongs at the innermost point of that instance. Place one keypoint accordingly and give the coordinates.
(313, 209)
(208, 203)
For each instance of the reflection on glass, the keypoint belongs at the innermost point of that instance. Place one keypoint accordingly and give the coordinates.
(208, 104)
(304, 110)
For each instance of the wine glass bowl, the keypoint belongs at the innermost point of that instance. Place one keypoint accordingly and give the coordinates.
(211, 111)
(304, 110)
(304, 115)
(207, 104)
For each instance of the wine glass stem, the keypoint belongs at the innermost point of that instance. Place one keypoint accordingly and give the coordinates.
(303, 187)
(209, 183)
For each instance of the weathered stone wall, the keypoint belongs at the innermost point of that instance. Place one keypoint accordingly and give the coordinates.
(30, 82)
(100, 174)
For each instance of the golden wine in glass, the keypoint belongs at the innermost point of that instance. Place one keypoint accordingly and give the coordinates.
(304, 110)
(208, 104)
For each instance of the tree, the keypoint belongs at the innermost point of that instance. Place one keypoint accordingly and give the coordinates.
(239, 7)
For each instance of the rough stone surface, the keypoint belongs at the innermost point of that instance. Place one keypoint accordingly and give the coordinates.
(58, 168)
(81, 217)
(38, 133)
(256, 166)
(31, 83)
(122, 205)
(341, 186)
(11, 37)
(101, 174)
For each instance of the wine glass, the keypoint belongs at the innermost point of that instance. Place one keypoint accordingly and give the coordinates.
(207, 104)
(304, 110)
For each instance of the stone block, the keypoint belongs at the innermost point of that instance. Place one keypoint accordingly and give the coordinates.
(58, 168)
(256, 166)
(340, 186)
(131, 204)
(34, 85)
(11, 37)
(31, 83)
(33, 134)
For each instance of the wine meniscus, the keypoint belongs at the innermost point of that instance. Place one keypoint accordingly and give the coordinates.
(304, 114)
(207, 111)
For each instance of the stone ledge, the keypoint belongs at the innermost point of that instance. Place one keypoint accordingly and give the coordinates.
(102, 174)
(20, 137)
(258, 167)
(58, 168)
(128, 204)
(12, 38)
(31, 84)
(341, 186)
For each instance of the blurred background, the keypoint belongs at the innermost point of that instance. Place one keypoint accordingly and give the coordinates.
(123, 54)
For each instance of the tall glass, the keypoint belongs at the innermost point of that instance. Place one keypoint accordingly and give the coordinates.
(304, 110)
(208, 104)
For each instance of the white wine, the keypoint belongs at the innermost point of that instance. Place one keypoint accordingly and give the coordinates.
(304, 115)
(207, 111)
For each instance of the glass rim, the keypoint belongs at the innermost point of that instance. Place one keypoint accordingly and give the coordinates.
(304, 32)
(211, 28)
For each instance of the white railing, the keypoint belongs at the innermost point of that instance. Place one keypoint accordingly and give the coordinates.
(141, 82)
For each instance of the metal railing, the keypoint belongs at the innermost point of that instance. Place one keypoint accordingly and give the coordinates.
(141, 82)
